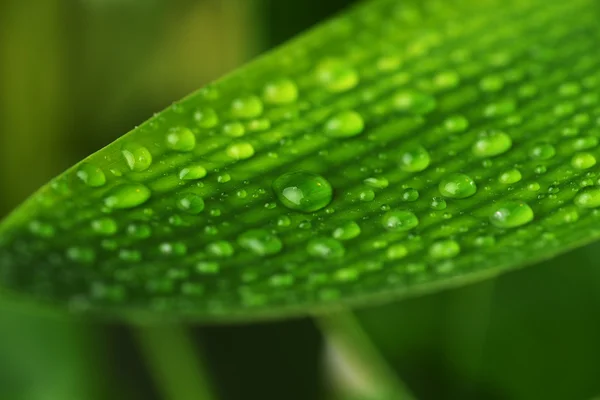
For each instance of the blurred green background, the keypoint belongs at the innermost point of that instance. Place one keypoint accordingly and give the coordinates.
(77, 74)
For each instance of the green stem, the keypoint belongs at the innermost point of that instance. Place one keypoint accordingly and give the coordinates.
(355, 363)
(174, 362)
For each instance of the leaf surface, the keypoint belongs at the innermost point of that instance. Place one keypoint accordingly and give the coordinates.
(397, 149)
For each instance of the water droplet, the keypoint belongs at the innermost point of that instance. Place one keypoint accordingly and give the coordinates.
(366, 195)
(399, 220)
(223, 178)
(240, 151)
(568, 89)
(346, 231)
(410, 195)
(234, 129)
(456, 123)
(396, 251)
(510, 176)
(303, 191)
(246, 107)
(336, 75)
(457, 186)
(491, 143)
(260, 241)
(446, 79)
(91, 175)
(437, 203)
(280, 91)
(181, 139)
(207, 267)
(491, 83)
(414, 102)
(221, 249)
(138, 158)
(206, 118)
(128, 255)
(344, 124)
(104, 226)
(127, 195)
(510, 214)
(190, 203)
(542, 151)
(174, 248)
(83, 255)
(414, 159)
(444, 249)
(326, 248)
(583, 160)
(192, 172)
(139, 231)
(377, 182)
(588, 197)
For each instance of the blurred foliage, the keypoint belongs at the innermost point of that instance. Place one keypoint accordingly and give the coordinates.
(76, 75)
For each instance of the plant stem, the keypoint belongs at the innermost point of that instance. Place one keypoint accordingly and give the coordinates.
(174, 362)
(355, 364)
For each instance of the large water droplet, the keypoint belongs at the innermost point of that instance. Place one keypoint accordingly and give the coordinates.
(127, 195)
(444, 249)
(510, 214)
(491, 143)
(457, 186)
(91, 175)
(206, 118)
(344, 124)
(260, 242)
(542, 151)
(414, 159)
(181, 139)
(510, 176)
(303, 191)
(399, 220)
(220, 249)
(192, 172)
(138, 157)
(583, 160)
(588, 197)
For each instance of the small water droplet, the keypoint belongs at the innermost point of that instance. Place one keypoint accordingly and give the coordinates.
(234, 129)
(260, 241)
(456, 123)
(510, 176)
(207, 267)
(91, 175)
(399, 220)
(220, 249)
(583, 160)
(510, 214)
(280, 91)
(414, 159)
(246, 107)
(303, 191)
(206, 118)
(410, 195)
(346, 231)
(240, 151)
(190, 203)
(138, 157)
(588, 197)
(181, 139)
(336, 76)
(396, 252)
(127, 195)
(326, 248)
(344, 124)
(84, 255)
(192, 172)
(104, 226)
(491, 143)
(41, 229)
(444, 249)
(438, 203)
(542, 151)
(366, 195)
(414, 102)
(457, 186)
(377, 182)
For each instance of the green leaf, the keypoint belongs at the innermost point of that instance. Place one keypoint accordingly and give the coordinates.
(398, 149)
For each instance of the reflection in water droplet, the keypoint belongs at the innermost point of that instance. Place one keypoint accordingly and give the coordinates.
(127, 195)
(510, 214)
(303, 191)
(457, 186)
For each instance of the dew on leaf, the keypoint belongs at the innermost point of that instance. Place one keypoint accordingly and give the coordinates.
(190, 203)
(437, 203)
(414, 102)
(104, 226)
(206, 118)
(542, 151)
(344, 124)
(511, 214)
(91, 175)
(410, 195)
(491, 143)
(376, 182)
(326, 248)
(234, 129)
(583, 160)
(396, 251)
(336, 76)
(138, 158)
(399, 220)
(207, 267)
(414, 159)
(456, 123)
(588, 197)
(240, 151)
(246, 107)
(127, 195)
(346, 231)
(192, 172)
(303, 191)
(457, 186)
(260, 241)
(444, 249)
(510, 176)
(366, 195)
(181, 139)
(280, 91)
(220, 249)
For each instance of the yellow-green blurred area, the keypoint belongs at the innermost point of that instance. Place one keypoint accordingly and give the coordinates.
(77, 74)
